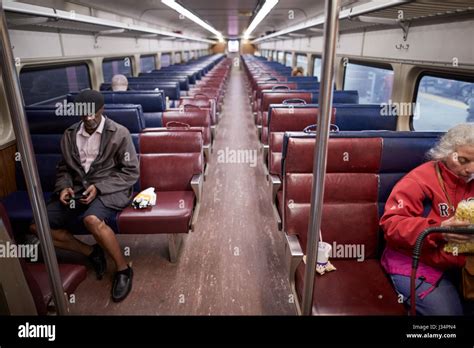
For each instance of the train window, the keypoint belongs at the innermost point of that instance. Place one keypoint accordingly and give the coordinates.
(185, 56)
(147, 63)
(442, 102)
(374, 83)
(40, 84)
(317, 68)
(177, 58)
(288, 59)
(302, 62)
(114, 66)
(165, 60)
(275, 56)
(281, 57)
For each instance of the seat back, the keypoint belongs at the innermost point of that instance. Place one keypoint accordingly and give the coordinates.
(170, 158)
(287, 119)
(151, 101)
(194, 117)
(170, 89)
(362, 169)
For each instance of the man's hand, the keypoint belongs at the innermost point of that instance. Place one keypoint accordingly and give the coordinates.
(65, 195)
(89, 195)
(456, 238)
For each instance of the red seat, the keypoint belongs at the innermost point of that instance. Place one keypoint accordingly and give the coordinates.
(350, 218)
(171, 214)
(71, 276)
(171, 161)
(203, 102)
(37, 277)
(345, 291)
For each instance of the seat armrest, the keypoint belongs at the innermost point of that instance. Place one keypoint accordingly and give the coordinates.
(196, 185)
(294, 255)
(275, 181)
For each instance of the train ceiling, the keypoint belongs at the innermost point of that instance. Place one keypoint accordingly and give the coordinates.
(288, 19)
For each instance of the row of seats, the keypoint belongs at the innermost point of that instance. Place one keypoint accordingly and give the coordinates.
(362, 169)
(366, 157)
(172, 146)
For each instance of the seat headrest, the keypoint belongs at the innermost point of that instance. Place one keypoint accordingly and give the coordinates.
(151, 101)
(164, 140)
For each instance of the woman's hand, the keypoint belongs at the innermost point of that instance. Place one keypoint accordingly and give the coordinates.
(456, 238)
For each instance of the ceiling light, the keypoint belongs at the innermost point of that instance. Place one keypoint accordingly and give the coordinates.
(297, 35)
(266, 8)
(188, 14)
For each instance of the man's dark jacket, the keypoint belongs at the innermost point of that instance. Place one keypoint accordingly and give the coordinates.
(113, 172)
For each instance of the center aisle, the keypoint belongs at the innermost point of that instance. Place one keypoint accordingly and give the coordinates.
(233, 263)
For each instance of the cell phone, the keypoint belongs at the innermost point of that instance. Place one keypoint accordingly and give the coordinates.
(78, 195)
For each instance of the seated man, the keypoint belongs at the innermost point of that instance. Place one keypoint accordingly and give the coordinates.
(426, 197)
(119, 83)
(94, 182)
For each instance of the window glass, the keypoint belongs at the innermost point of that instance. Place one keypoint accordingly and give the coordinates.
(317, 68)
(186, 56)
(302, 62)
(177, 58)
(288, 59)
(115, 66)
(441, 103)
(275, 56)
(165, 60)
(373, 83)
(40, 84)
(281, 57)
(147, 63)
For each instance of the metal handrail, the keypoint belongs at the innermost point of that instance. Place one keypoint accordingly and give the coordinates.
(28, 163)
(417, 254)
(320, 154)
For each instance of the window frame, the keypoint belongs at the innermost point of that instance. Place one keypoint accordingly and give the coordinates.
(286, 54)
(170, 54)
(437, 74)
(58, 65)
(314, 61)
(377, 65)
(146, 56)
(300, 54)
(108, 59)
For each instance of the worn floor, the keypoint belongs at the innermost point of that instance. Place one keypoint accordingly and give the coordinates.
(233, 264)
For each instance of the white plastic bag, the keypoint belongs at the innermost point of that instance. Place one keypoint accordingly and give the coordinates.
(145, 199)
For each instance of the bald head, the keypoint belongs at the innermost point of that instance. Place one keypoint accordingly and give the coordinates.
(119, 83)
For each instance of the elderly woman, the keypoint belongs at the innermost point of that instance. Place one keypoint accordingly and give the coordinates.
(426, 197)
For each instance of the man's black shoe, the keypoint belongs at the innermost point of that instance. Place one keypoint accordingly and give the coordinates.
(97, 258)
(122, 284)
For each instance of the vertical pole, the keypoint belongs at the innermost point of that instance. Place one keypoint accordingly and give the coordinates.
(331, 25)
(28, 163)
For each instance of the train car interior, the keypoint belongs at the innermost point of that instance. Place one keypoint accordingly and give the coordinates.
(242, 157)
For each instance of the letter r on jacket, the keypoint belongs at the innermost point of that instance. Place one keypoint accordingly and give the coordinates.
(443, 210)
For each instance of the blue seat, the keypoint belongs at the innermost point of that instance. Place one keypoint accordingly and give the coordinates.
(153, 103)
(182, 80)
(43, 120)
(351, 117)
(170, 89)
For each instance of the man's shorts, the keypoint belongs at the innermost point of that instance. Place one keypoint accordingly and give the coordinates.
(64, 217)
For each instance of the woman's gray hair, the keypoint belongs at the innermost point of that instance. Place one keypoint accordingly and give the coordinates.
(460, 135)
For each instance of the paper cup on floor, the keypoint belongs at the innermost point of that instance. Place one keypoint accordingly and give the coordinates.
(324, 250)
